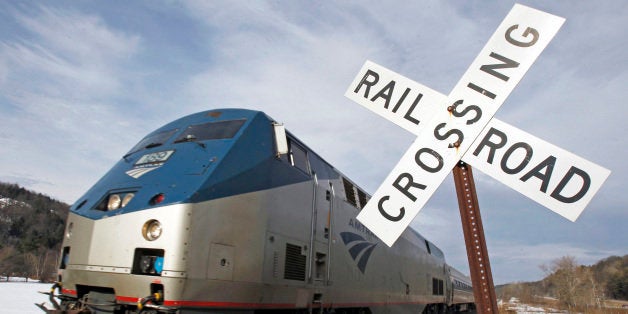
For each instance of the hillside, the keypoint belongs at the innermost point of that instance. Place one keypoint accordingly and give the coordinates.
(573, 286)
(31, 231)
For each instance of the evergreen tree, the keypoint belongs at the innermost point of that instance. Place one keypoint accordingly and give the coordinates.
(31, 232)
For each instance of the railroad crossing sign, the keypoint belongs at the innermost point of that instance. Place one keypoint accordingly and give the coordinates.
(460, 126)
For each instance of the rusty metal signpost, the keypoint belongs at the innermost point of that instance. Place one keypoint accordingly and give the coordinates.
(459, 128)
(477, 252)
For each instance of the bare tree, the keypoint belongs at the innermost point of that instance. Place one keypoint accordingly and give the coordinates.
(41, 264)
(573, 285)
(595, 289)
(49, 266)
(562, 278)
(34, 264)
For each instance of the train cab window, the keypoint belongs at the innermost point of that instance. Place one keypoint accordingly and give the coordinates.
(211, 131)
(298, 157)
(153, 140)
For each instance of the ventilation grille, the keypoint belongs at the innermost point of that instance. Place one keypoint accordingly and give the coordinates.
(437, 287)
(275, 264)
(295, 263)
(362, 198)
(350, 193)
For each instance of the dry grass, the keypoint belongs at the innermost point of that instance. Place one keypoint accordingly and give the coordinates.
(551, 306)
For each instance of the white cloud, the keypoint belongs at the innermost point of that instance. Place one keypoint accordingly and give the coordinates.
(4, 72)
(59, 79)
(69, 53)
(77, 36)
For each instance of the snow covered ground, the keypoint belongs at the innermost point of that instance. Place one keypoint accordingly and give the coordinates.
(20, 297)
(514, 306)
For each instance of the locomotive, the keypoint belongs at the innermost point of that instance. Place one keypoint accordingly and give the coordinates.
(224, 211)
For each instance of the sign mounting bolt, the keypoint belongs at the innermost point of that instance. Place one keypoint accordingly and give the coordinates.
(456, 144)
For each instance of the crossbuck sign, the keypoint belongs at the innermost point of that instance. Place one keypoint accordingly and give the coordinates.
(461, 127)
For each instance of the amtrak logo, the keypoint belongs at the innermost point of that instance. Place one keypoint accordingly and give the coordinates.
(140, 171)
(359, 248)
(149, 162)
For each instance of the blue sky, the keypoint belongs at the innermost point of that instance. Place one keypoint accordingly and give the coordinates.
(83, 81)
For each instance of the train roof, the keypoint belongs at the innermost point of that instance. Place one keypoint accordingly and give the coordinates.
(248, 116)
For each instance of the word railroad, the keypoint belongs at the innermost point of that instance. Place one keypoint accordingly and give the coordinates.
(461, 127)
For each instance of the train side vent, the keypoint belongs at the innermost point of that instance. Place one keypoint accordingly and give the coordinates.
(295, 263)
(349, 192)
(437, 287)
(275, 264)
(362, 198)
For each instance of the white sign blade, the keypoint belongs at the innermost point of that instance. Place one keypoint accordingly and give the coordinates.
(501, 147)
(391, 95)
(501, 64)
(549, 175)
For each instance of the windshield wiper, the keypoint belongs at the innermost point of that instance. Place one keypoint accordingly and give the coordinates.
(151, 145)
(190, 138)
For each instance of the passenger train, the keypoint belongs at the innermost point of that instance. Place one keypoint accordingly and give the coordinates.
(224, 211)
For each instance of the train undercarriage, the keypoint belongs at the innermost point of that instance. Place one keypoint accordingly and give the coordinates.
(101, 302)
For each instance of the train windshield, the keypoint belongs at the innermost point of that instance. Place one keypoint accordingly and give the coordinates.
(211, 131)
(153, 140)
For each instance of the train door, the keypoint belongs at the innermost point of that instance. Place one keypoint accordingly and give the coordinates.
(449, 289)
(321, 231)
(319, 248)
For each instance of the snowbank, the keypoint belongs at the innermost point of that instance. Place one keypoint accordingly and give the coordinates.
(20, 297)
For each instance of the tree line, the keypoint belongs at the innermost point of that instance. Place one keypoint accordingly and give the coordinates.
(31, 232)
(575, 287)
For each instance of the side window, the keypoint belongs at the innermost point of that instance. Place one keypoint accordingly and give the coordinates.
(297, 156)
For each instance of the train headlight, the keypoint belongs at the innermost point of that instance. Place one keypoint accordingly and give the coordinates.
(127, 198)
(68, 234)
(114, 202)
(151, 230)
